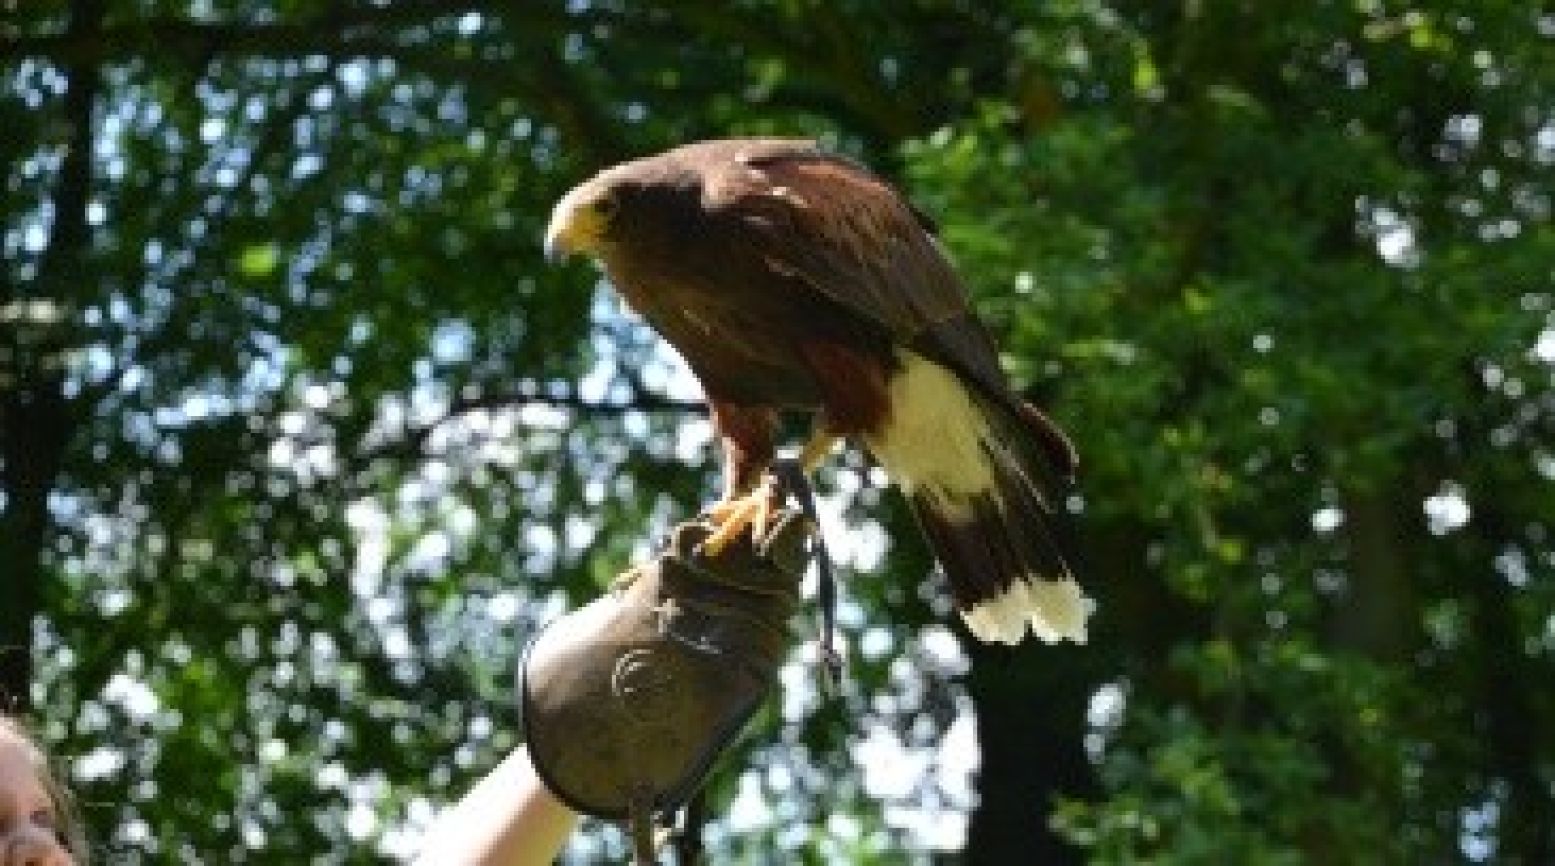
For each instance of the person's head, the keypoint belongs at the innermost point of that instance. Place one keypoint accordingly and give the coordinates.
(38, 825)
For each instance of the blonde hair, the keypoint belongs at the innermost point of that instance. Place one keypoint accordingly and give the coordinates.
(71, 831)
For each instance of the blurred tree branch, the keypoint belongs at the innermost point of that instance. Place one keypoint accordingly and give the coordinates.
(356, 30)
(413, 444)
(37, 422)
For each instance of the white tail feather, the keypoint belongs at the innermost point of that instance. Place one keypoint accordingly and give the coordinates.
(939, 446)
(1055, 610)
(934, 437)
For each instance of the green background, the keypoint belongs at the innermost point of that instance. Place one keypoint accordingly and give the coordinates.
(300, 438)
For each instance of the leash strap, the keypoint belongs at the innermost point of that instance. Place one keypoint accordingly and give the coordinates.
(795, 483)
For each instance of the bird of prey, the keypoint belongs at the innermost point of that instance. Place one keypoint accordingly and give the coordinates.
(793, 279)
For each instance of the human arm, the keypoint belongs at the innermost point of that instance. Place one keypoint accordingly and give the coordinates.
(508, 819)
(626, 701)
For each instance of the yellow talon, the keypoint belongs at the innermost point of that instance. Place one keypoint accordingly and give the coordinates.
(756, 509)
(734, 516)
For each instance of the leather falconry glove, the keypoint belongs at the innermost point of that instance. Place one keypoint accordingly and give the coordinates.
(627, 701)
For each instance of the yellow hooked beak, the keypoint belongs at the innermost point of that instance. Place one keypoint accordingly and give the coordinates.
(577, 224)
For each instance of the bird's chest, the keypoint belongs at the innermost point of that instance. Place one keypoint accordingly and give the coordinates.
(740, 344)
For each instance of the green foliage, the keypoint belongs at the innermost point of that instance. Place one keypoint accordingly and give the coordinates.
(301, 439)
(1279, 312)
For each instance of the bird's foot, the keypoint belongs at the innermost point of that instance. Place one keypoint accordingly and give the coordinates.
(732, 517)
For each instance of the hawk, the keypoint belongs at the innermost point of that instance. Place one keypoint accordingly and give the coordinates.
(793, 279)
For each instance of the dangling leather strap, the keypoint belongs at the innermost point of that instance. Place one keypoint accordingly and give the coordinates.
(641, 826)
(790, 473)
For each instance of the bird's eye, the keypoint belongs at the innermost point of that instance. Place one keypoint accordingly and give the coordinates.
(607, 205)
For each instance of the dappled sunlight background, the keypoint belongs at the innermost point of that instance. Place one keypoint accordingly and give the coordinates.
(301, 440)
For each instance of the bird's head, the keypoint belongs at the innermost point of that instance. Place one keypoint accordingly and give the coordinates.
(582, 220)
(628, 205)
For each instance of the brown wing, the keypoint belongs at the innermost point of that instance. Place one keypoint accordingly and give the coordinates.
(838, 228)
(834, 227)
